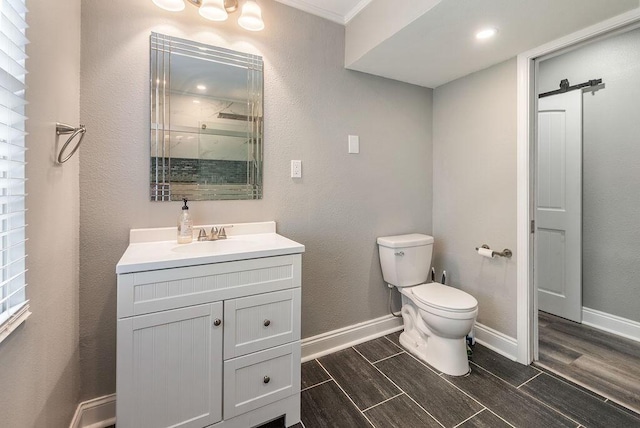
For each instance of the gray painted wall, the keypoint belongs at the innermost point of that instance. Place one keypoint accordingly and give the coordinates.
(474, 188)
(39, 362)
(611, 154)
(342, 203)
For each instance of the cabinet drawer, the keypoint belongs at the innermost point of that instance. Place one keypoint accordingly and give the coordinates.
(154, 291)
(261, 378)
(262, 321)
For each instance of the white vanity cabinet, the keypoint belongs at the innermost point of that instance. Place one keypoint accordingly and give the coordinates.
(215, 344)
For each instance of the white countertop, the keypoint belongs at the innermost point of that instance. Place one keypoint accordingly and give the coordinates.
(150, 249)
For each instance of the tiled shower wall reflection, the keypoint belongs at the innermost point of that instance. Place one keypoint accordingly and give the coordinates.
(202, 171)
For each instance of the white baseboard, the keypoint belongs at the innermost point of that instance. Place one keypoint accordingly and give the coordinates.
(496, 341)
(97, 413)
(336, 340)
(611, 323)
(332, 341)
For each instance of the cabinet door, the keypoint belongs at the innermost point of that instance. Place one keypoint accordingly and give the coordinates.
(170, 368)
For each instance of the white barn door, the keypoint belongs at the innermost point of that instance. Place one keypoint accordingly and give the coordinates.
(558, 213)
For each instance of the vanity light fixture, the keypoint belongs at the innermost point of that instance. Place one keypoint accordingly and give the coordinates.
(487, 33)
(251, 17)
(213, 10)
(219, 10)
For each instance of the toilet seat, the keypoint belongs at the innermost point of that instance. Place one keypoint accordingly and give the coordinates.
(441, 297)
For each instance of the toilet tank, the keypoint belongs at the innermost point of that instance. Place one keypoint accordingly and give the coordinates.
(405, 259)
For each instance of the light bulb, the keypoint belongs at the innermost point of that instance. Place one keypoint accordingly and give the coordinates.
(251, 18)
(213, 10)
(170, 5)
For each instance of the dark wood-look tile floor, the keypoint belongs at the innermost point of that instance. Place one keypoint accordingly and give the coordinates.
(378, 384)
(600, 361)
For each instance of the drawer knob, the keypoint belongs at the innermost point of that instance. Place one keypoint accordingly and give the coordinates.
(266, 379)
(267, 323)
(217, 322)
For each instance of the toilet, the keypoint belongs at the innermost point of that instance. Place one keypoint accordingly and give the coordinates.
(437, 318)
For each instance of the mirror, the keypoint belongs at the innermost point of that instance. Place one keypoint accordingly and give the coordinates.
(206, 121)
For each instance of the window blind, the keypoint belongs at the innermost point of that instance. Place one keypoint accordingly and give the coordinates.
(14, 306)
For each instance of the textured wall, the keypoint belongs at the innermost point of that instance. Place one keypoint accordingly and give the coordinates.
(474, 188)
(342, 203)
(611, 154)
(39, 363)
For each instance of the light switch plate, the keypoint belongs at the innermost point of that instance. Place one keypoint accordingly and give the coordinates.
(296, 169)
(354, 144)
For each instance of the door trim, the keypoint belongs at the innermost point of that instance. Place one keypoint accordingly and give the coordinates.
(527, 325)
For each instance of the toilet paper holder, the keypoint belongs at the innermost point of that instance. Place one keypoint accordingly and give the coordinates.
(504, 253)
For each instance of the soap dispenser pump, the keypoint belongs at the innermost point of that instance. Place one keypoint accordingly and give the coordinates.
(185, 225)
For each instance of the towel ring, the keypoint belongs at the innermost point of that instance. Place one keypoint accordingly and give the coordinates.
(63, 129)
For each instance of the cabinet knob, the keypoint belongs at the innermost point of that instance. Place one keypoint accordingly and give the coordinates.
(217, 322)
(267, 323)
(266, 379)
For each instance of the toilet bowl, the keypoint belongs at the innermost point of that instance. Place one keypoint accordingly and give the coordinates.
(437, 318)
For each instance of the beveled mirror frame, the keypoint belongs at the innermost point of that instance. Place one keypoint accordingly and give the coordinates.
(165, 185)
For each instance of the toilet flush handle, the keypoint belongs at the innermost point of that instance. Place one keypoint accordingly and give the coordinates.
(399, 253)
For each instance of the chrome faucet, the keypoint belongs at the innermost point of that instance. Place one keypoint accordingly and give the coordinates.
(215, 234)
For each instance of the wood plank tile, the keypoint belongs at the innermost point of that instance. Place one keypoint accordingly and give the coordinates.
(445, 403)
(485, 419)
(326, 406)
(365, 385)
(602, 361)
(589, 340)
(568, 381)
(400, 412)
(551, 350)
(607, 389)
(609, 356)
(377, 349)
(312, 374)
(509, 403)
(624, 409)
(507, 370)
(395, 338)
(611, 380)
(581, 407)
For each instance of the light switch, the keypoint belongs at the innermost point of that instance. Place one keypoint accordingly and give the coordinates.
(354, 144)
(296, 169)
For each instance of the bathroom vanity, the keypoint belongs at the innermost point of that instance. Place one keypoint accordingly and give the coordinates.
(209, 332)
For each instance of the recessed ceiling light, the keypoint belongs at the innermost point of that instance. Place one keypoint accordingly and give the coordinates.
(201, 87)
(487, 33)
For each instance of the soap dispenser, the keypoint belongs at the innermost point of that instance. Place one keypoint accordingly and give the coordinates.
(185, 225)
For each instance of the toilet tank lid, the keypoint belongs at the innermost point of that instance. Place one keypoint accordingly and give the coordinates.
(404, 241)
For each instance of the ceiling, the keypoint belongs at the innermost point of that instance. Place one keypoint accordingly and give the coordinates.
(437, 44)
(340, 11)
